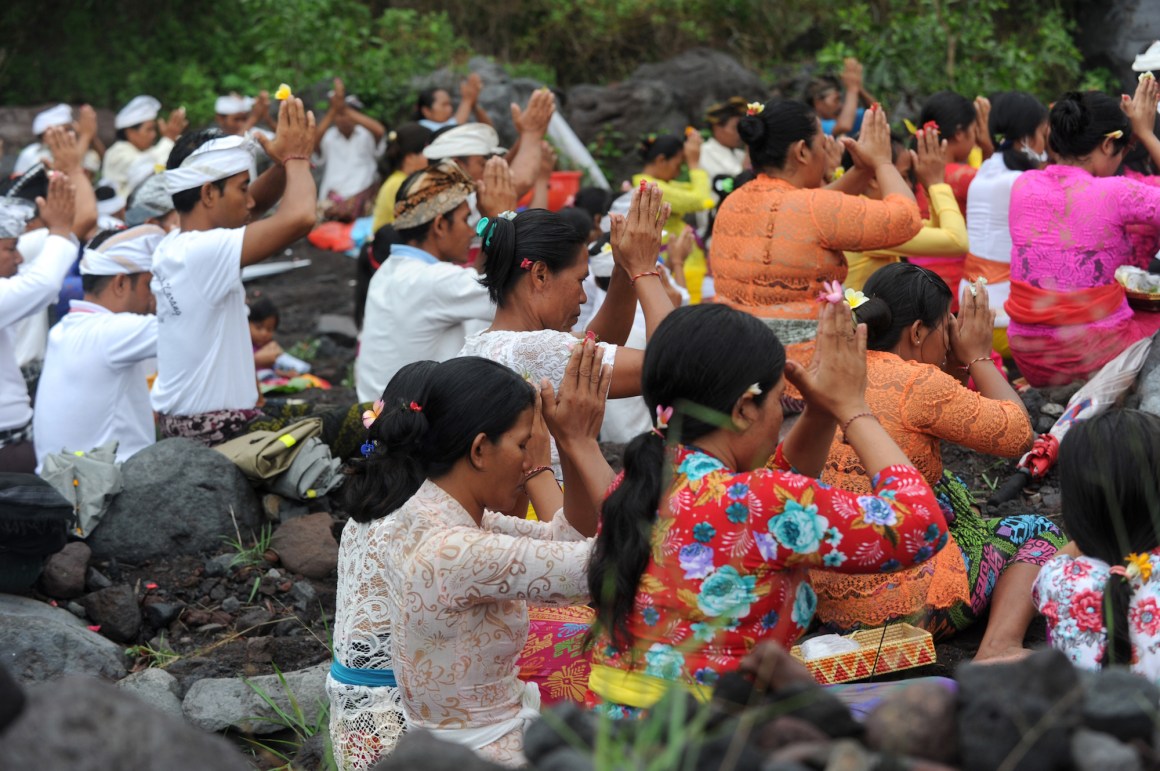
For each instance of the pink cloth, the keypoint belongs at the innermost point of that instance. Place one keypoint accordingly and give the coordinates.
(1070, 230)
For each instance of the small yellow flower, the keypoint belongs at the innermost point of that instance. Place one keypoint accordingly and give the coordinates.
(283, 92)
(1146, 76)
(1139, 565)
(855, 298)
(754, 108)
(913, 129)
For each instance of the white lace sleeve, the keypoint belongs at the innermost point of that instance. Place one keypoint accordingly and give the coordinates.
(558, 529)
(542, 354)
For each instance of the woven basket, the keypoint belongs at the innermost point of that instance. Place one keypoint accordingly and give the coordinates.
(891, 648)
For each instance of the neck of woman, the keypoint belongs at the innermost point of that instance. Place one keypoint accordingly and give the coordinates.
(455, 484)
(1084, 163)
(516, 316)
(789, 174)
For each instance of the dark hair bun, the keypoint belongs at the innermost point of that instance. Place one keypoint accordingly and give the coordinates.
(751, 129)
(1069, 113)
(876, 315)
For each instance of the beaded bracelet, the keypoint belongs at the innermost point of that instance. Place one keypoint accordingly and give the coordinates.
(632, 281)
(846, 425)
(536, 470)
(967, 367)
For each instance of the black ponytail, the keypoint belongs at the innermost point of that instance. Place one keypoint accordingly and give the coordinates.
(663, 146)
(900, 294)
(1109, 471)
(430, 417)
(408, 139)
(952, 112)
(687, 368)
(1080, 122)
(1015, 117)
(535, 235)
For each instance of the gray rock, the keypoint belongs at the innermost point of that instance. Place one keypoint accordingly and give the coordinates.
(40, 642)
(231, 604)
(419, 749)
(306, 545)
(304, 595)
(219, 565)
(64, 572)
(83, 724)
(253, 621)
(216, 704)
(11, 699)
(1051, 409)
(1115, 31)
(1002, 705)
(1121, 704)
(342, 328)
(157, 687)
(177, 499)
(558, 728)
(95, 580)
(116, 611)
(76, 609)
(1095, 751)
(918, 720)
(1043, 424)
(160, 614)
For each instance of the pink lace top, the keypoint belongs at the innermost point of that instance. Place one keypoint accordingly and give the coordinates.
(1069, 230)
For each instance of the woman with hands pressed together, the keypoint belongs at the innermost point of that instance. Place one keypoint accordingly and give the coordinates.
(918, 364)
(703, 549)
(536, 265)
(779, 238)
(944, 234)
(435, 584)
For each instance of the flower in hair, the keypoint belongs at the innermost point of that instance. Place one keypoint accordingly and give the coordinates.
(831, 292)
(371, 415)
(1117, 134)
(754, 108)
(664, 415)
(855, 298)
(1135, 566)
(910, 127)
(508, 215)
(392, 136)
(283, 92)
(754, 390)
(415, 407)
(526, 264)
(930, 125)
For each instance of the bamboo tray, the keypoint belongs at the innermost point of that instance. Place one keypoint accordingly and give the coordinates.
(891, 648)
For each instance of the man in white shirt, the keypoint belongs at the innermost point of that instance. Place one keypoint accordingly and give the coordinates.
(25, 294)
(723, 154)
(349, 144)
(93, 386)
(421, 299)
(85, 128)
(206, 388)
(137, 128)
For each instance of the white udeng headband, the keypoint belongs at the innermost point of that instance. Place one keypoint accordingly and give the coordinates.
(216, 159)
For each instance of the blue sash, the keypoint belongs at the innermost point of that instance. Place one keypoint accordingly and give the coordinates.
(369, 678)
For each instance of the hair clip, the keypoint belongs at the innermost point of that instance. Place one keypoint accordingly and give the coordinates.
(1117, 134)
(508, 215)
(368, 448)
(526, 264)
(371, 415)
(664, 415)
(1135, 566)
(754, 108)
(481, 226)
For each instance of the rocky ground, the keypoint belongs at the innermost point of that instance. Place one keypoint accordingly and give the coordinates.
(190, 612)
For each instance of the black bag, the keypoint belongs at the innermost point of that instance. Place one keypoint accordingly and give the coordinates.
(34, 523)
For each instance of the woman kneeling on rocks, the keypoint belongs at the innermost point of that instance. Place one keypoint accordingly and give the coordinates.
(919, 361)
(703, 551)
(434, 584)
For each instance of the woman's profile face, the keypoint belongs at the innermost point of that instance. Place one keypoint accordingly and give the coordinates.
(507, 461)
(564, 294)
(440, 109)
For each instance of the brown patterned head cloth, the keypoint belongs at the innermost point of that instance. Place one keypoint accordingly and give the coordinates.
(436, 190)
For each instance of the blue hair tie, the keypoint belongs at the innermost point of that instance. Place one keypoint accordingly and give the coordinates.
(368, 447)
(487, 226)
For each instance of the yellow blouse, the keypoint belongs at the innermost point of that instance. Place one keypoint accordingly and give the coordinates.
(385, 201)
(943, 235)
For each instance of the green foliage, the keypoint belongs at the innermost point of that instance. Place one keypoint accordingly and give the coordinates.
(916, 47)
(295, 719)
(148, 656)
(252, 555)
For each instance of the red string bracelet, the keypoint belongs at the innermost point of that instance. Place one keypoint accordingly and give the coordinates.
(632, 281)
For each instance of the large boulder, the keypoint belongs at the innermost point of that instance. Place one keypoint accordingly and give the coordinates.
(177, 499)
(40, 642)
(218, 703)
(84, 724)
(499, 91)
(1112, 33)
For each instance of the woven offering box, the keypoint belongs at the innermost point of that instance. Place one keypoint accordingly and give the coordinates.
(894, 647)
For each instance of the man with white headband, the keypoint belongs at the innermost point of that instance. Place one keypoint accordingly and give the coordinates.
(22, 295)
(137, 128)
(84, 128)
(238, 115)
(348, 143)
(206, 388)
(93, 388)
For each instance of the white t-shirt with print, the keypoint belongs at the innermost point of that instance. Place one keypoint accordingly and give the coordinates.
(205, 360)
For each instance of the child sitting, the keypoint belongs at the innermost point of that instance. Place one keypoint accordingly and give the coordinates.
(1109, 478)
(268, 354)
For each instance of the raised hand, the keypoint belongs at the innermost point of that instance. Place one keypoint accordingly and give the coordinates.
(835, 380)
(497, 190)
(65, 148)
(86, 124)
(852, 74)
(931, 164)
(983, 124)
(338, 97)
(60, 207)
(693, 149)
(636, 238)
(533, 119)
(294, 134)
(1141, 109)
(172, 126)
(539, 448)
(874, 138)
(971, 334)
(577, 411)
